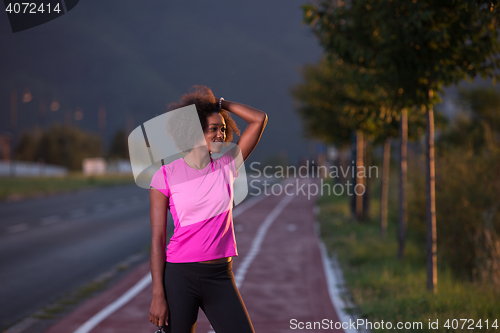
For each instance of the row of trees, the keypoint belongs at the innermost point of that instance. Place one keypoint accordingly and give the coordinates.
(386, 61)
(67, 146)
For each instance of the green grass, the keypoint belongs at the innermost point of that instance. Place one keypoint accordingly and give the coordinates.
(383, 288)
(25, 187)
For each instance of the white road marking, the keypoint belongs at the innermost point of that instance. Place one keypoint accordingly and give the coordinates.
(124, 299)
(246, 205)
(49, 220)
(335, 282)
(17, 228)
(259, 237)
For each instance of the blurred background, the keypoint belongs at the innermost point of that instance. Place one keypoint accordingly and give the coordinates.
(72, 89)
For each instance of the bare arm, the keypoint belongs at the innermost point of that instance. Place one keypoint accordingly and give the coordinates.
(257, 121)
(158, 313)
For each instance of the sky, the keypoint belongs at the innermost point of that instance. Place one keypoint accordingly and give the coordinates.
(135, 57)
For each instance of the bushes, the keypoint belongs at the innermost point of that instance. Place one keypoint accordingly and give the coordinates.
(66, 146)
(467, 209)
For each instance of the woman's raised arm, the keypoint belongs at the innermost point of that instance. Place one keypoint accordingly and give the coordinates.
(256, 120)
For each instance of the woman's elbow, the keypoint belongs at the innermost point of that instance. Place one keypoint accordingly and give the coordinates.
(263, 118)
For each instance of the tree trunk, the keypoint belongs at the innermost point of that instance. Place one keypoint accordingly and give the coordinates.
(352, 164)
(487, 250)
(403, 162)
(342, 163)
(360, 184)
(431, 203)
(384, 195)
(366, 195)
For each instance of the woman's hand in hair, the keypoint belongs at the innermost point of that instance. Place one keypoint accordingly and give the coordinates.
(257, 121)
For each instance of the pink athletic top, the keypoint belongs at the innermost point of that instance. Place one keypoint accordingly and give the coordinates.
(201, 204)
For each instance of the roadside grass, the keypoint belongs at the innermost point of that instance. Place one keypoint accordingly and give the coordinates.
(12, 188)
(61, 305)
(383, 288)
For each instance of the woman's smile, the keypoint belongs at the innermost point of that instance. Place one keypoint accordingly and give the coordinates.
(216, 132)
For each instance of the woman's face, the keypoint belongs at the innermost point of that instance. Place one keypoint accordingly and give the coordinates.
(215, 134)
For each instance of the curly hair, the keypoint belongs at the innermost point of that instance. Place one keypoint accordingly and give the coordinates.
(206, 104)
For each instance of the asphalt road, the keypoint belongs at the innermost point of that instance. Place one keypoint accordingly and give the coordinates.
(49, 246)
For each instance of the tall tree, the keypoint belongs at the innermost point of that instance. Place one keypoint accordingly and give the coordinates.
(337, 101)
(416, 49)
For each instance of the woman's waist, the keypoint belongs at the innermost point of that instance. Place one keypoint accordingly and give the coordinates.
(217, 261)
(200, 268)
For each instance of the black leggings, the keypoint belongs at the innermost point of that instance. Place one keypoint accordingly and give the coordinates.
(211, 287)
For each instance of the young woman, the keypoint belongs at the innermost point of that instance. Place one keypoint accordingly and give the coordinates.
(196, 270)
